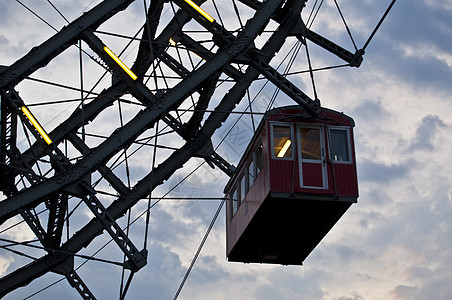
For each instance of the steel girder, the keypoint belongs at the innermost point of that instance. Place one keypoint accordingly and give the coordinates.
(302, 33)
(120, 139)
(41, 55)
(107, 97)
(144, 120)
(157, 107)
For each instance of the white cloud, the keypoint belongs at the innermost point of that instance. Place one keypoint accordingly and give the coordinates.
(393, 244)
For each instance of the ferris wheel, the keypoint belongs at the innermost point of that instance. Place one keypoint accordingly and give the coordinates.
(113, 104)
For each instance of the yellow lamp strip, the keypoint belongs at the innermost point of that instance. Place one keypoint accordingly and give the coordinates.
(284, 149)
(200, 10)
(120, 63)
(35, 123)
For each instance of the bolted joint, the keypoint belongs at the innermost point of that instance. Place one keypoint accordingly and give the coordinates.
(313, 109)
(357, 58)
(137, 261)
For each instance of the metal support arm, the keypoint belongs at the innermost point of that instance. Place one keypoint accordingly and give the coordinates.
(42, 54)
(118, 208)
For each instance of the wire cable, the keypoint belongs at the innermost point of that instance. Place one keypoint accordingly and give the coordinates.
(311, 72)
(379, 24)
(148, 210)
(59, 12)
(36, 15)
(346, 26)
(315, 15)
(28, 244)
(206, 235)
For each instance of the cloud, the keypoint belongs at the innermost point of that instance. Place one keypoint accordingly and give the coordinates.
(437, 287)
(208, 271)
(413, 46)
(160, 278)
(293, 283)
(427, 134)
(380, 172)
(355, 296)
(393, 244)
(370, 110)
(5, 13)
(403, 292)
(5, 261)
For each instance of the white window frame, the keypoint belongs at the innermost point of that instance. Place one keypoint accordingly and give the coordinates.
(349, 145)
(233, 211)
(321, 128)
(272, 146)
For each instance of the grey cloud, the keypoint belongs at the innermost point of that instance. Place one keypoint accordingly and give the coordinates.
(166, 228)
(370, 171)
(427, 131)
(422, 24)
(5, 12)
(356, 296)
(298, 283)
(370, 110)
(161, 277)
(437, 287)
(208, 270)
(426, 73)
(414, 225)
(404, 292)
(419, 27)
(367, 219)
(430, 284)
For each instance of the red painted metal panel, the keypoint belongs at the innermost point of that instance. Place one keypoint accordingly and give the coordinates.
(253, 199)
(282, 175)
(345, 177)
(312, 174)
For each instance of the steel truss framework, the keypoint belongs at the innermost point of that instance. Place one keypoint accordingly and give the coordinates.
(232, 55)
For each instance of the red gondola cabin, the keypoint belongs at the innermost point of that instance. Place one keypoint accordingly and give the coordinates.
(296, 179)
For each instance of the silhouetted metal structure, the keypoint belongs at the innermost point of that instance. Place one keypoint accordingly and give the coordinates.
(65, 165)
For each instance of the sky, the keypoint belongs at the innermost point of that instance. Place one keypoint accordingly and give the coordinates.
(393, 244)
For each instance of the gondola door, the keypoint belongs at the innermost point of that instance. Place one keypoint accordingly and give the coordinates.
(311, 157)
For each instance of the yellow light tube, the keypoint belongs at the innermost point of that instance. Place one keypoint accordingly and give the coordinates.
(172, 42)
(200, 10)
(284, 149)
(120, 63)
(35, 123)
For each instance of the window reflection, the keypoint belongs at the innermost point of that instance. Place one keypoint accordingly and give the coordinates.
(250, 174)
(310, 143)
(247, 179)
(242, 189)
(339, 145)
(259, 159)
(282, 143)
(234, 201)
